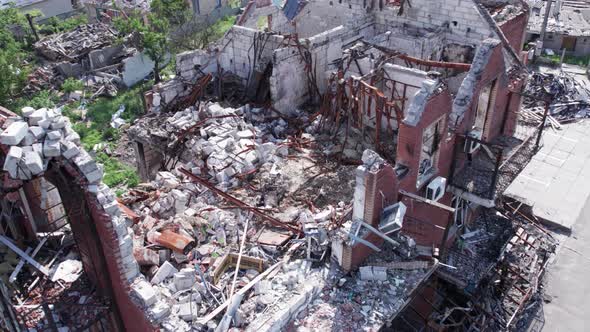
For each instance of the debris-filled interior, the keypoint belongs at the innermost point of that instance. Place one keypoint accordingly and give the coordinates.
(326, 165)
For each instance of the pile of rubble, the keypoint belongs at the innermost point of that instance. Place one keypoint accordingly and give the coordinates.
(76, 44)
(568, 97)
(89, 53)
(364, 300)
(42, 78)
(215, 140)
(517, 276)
(477, 249)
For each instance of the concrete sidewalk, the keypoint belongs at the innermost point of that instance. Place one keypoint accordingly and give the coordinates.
(566, 281)
(556, 182)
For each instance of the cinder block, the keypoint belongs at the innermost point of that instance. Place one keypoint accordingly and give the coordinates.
(33, 162)
(145, 292)
(15, 133)
(165, 271)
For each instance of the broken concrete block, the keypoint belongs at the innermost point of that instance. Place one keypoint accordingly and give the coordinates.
(54, 134)
(263, 287)
(37, 132)
(85, 162)
(12, 159)
(33, 162)
(185, 279)
(15, 133)
(58, 122)
(191, 297)
(160, 310)
(38, 147)
(156, 100)
(51, 148)
(38, 116)
(165, 271)
(74, 138)
(112, 208)
(145, 292)
(167, 180)
(70, 149)
(180, 200)
(23, 172)
(75, 95)
(216, 110)
(187, 311)
(28, 140)
(45, 123)
(95, 176)
(27, 111)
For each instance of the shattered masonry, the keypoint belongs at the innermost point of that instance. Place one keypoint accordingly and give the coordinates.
(328, 187)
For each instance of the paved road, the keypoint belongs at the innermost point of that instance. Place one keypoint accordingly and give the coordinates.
(568, 281)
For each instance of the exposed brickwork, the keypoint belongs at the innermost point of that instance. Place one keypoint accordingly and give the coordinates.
(381, 191)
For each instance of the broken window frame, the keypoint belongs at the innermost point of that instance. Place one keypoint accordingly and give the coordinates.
(430, 150)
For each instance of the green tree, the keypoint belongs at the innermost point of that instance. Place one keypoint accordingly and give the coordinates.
(12, 54)
(150, 33)
(177, 12)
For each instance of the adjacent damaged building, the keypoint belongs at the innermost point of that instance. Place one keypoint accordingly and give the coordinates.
(327, 165)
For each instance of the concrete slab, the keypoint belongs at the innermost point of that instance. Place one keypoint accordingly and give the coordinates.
(555, 182)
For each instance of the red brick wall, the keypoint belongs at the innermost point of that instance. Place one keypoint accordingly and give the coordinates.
(408, 154)
(381, 191)
(514, 30)
(134, 317)
(410, 140)
(99, 247)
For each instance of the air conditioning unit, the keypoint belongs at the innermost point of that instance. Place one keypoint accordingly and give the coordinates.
(436, 188)
(470, 145)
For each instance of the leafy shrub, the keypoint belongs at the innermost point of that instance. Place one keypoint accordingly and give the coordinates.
(71, 84)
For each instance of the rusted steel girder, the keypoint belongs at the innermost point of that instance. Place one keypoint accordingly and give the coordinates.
(239, 203)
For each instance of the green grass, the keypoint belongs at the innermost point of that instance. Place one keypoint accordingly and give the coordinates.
(39, 100)
(117, 173)
(569, 59)
(55, 25)
(97, 129)
(100, 112)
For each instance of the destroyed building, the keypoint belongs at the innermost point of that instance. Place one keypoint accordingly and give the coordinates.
(375, 134)
(567, 26)
(91, 53)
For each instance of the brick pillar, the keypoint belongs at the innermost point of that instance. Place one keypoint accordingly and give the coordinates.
(381, 190)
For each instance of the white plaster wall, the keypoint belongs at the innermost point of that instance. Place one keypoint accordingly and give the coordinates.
(288, 83)
(460, 17)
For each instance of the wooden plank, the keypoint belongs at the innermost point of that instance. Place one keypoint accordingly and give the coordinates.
(26, 257)
(20, 265)
(242, 291)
